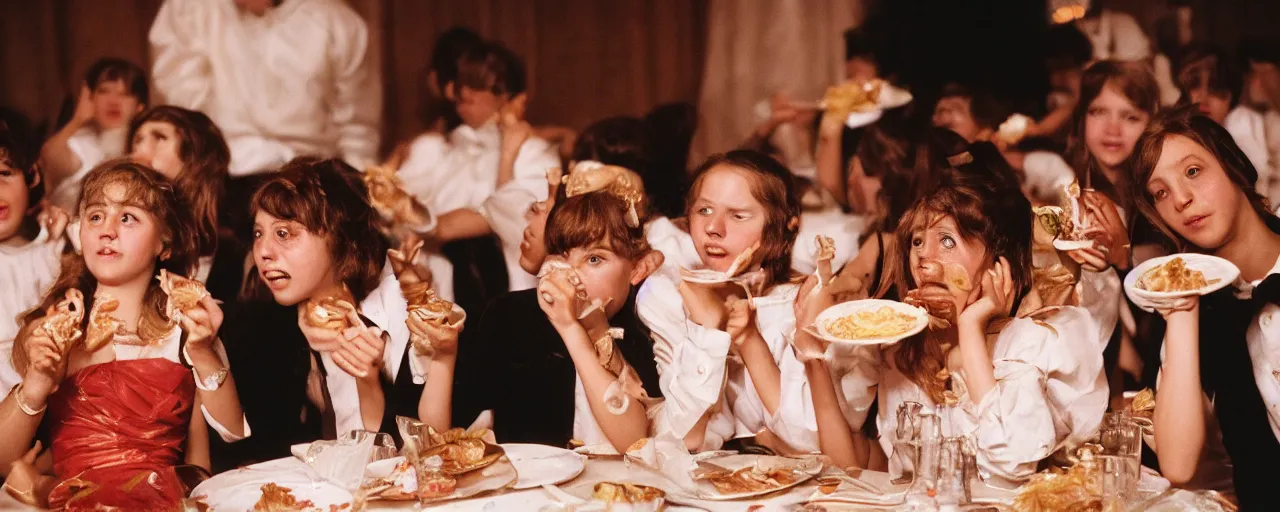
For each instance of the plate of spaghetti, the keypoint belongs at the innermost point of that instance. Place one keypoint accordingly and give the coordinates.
(870, 322)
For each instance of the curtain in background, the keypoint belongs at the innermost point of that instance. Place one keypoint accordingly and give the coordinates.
(755, 49)
(586, 59)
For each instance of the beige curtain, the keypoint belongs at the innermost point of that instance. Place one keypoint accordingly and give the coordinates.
(586, 59)
(757, 48)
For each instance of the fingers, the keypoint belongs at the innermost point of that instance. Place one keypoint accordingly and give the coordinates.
(1091, 259)
(355, 370)
(33, 453)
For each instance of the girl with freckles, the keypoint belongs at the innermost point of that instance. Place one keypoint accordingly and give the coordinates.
(727, 370)
(1221, 353)
(117, 384)
(316, 242)
(1023, 384)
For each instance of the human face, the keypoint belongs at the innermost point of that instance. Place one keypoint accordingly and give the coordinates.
(953, 114)
(14, 194)
(1194, 196)
(120, 241)
(939, 253)
(294, 263)
(863, 191)
(113, 105)
(1214, 104)
(1112, 126)
(533, 247)
(605, 275)
(726, 218)
(476, 107)
(860, 69)
(156, 145)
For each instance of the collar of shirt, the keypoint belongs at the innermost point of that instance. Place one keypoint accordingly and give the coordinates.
(385, 307)
(1244, 290)
(486, 138)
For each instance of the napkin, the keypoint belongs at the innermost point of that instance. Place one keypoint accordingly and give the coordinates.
(342, 462)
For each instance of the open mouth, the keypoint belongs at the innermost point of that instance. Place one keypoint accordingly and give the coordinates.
(275, 279)
(107, 252)
(715, 251)
(4, 212)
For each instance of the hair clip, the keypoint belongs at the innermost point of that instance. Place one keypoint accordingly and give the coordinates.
(960, 159)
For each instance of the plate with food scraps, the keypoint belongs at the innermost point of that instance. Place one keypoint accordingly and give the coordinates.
(739, 476)
(870, 322)
(1179, 275)
(397, 480)
(298, 489)
(538, 464)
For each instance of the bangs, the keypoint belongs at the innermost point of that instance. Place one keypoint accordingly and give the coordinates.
(139, 191)
(280, 198)
(962, 207)
(590, 219)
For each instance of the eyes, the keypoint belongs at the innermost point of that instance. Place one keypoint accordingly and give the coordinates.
(706, 211)
(945, 240)
(126, 218)
(1192, 172)
(280, 233)
(595, 259)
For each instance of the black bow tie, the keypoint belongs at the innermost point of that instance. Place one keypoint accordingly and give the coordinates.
(1268, 291)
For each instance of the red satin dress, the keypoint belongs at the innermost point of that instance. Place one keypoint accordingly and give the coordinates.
(118, 430)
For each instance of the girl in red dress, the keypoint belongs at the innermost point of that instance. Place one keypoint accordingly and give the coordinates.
(111, 367)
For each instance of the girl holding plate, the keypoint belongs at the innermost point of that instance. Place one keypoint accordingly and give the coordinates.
(1022, 384)
(1198, 190)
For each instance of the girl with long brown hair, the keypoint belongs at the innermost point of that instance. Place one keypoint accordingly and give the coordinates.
(111, 364)
(1024, 384)
(742, 207)
(186, 147)
(1220, 355)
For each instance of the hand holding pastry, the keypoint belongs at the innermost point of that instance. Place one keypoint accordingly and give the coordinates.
(46, 367)
(54, 220)
(434, 324)
(323, 321)
(359, 351)
(740, 322)
(562, 297)
(62, 321)
(202, 323)
(414, 279)
(184, 294)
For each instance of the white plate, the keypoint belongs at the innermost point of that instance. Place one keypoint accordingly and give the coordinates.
(1213, 267)
(538, 465)
(805, 469)
(240, 489)
(847, 308)
(891, 97)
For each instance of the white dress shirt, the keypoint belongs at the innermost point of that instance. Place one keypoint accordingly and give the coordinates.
(1248, 128)
(92, 148)
(697, 373)
(1115, 35)
(461, 172)
(1050, 394)
(1263, 338)
(295, 81)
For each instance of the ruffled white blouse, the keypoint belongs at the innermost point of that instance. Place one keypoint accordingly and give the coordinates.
(461, 172)
(697, 373)
(1050, 394)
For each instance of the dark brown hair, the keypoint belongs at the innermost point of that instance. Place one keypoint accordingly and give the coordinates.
(205, 159)
(490, 66)
(1188, 122)
(20, 157)
(772, 186)
(1208, 65)
(148, 190)
(582, 221)
(111, 69)
(329, 199)
(1133, 81)
(983, 198)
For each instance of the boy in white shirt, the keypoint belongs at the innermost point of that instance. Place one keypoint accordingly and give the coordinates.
(486, 174)
(114, 91)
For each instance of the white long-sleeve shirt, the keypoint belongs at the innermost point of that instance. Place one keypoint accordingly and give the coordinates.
(461, 172)
(1050, 394)
(296, 81)
(697, 373)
